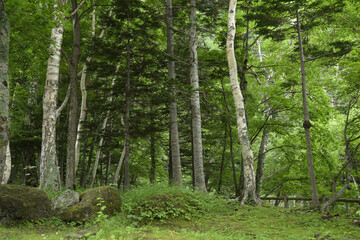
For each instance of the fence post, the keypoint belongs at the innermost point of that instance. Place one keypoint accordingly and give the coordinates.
(286, 202)
(347, 207)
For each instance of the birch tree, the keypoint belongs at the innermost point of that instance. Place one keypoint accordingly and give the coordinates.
(49, 171)
(246, 151)
(195, 103)
(174, 132)
(5, 159)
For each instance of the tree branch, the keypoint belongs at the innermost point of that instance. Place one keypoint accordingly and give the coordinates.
(76, 10)
(58, 111)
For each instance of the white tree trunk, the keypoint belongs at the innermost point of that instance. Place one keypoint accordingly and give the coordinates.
(49, 171)
(246, 151)
(4, 95)
(84, 94)
(101, 142)
(117, 173)
(174, 132)
(82, 113)
(7, 166)
(195, 103)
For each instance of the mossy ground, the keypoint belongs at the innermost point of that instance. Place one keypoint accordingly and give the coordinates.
(208, 218)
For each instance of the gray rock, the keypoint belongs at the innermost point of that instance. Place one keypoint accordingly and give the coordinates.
(65, 200)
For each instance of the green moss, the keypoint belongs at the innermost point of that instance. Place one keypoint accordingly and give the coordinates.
(91, 202)
(23, 203)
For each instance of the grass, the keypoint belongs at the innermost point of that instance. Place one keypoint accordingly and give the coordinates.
(160, 212)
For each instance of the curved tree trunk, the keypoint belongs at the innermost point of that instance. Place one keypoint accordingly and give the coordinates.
(118, 168)
(174, 132)
(195, 103)
(84, 94)
(49, 170)
(246, 151)
(101, 142)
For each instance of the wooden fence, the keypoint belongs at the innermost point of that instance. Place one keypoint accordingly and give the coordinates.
(286, 200)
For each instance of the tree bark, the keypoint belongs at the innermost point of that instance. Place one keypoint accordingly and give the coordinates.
(307, 124)
(174, 135)
(73, 114)
(195, 103)
(127, 115)
(222, 160)
(117, 172)
(246, 151)
(153, 158)
(230, 138)
(49, 170)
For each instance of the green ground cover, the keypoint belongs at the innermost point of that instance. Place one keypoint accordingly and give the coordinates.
(159, 212)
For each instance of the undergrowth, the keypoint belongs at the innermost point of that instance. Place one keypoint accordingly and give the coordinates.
(161, 202)
(162, 212)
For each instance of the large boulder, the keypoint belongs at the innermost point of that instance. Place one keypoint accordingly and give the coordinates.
(19, 203)
(65, 200)
(92, 202)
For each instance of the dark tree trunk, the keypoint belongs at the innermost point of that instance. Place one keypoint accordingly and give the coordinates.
(307, 124)
(73, 114)
(153, 158)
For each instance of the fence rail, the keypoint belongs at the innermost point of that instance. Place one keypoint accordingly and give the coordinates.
(308, 199)
(286, 200)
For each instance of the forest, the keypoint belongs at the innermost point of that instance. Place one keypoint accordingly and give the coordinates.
(243, 99)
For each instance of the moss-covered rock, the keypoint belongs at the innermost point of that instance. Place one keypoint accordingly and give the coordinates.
(91, 202)
(19, 203)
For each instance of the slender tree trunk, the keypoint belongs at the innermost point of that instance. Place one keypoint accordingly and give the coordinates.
(264, 138)
(261, 160)
(306, 123)
(195, 103)
(231, 140)
(108, 164)
(117, 172)
(7, 167)
(5, 158)
(49, 170)
(87, 172)
(82, 114)
(98, 153)
(153, 158)
(222, 160)
(246, 151)
(127, 116)
(350, 152)
(73, 114)
(84, 94)
(170, 160)
(101, 142)
(175, 146)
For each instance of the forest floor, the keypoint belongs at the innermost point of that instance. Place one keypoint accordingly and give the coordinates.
(225, 221)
